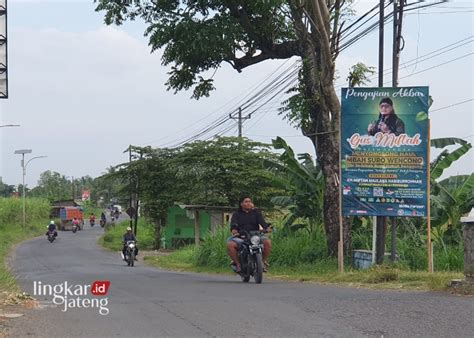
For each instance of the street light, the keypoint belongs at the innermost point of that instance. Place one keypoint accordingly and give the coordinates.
(24, 165)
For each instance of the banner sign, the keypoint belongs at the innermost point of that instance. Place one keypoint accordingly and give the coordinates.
(384, 146)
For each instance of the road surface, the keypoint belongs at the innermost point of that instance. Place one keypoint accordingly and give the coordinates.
(144, 301)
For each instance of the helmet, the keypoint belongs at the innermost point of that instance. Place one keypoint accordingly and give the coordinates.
(51, 222)
(129, 229)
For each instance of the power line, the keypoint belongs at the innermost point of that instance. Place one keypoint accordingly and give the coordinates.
(451, 105)
(438, 65)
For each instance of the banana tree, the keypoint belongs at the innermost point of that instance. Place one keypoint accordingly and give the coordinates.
(451, 197)
(303, 180)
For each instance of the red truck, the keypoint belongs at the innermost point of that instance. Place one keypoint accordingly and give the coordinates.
(67, 214)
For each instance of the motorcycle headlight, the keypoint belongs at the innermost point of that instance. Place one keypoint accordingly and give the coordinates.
(131, 245)
(255, 240)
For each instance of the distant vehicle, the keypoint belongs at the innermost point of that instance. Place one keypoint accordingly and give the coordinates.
(67, 214)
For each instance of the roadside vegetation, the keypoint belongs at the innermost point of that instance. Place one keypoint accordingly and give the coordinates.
(112, 238)
(302, 256)
(12, 232)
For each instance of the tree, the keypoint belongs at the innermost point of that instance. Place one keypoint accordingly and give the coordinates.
(199, 36)
(53, 186)
(6, 190)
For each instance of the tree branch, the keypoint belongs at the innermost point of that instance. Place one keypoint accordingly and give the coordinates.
(284, 50)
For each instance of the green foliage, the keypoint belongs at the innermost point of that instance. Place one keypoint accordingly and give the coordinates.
(213, 250)
(12, 232)
(6, 190)
(446, 158)
(113, 237)
(303, 183)
(288, 250)
(213, 172)
(359, 75)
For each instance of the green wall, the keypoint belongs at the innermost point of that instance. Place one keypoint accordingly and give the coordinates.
(180, 228)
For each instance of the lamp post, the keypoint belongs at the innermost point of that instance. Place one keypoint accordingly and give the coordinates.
(23, 166)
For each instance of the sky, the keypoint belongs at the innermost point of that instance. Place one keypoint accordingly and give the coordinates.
(82, 91)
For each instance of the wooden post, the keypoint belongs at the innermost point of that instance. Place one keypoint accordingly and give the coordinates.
(197, 229)
(428, 207)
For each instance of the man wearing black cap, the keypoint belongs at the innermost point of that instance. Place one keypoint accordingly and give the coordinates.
(388, 122)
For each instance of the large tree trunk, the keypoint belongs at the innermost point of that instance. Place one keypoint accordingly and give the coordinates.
(322, 127)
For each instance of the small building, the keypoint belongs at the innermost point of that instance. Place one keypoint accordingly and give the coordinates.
(188, 224)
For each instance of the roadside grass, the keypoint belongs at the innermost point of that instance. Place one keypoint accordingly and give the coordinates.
(12, 232)
(300, 257)
(325, 272)
(112, 238)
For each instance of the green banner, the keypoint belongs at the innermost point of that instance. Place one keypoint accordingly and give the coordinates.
(384, 147)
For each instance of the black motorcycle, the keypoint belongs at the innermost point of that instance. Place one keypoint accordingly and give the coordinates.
(92, 222)
(51, 236)
(129, 257)
(250, 256)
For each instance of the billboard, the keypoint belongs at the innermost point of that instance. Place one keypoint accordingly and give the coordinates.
(384, 151)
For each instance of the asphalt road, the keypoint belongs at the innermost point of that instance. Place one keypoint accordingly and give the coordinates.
(144, 301)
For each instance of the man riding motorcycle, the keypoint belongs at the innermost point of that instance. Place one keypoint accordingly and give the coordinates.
(247, 218)
(52, 228)
(92, 219)
(129, 236)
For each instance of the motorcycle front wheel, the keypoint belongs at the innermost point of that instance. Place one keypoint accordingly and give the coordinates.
(258, 273)
(132, 259)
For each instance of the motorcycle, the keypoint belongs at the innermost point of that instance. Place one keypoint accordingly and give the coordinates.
(74, 228)
(102, 223)
(92, 222)
(130, 253)
(51, 236)
(250, 256)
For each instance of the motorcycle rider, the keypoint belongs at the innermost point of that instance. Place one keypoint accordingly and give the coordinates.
(75, 222)
(92, 218)
(247, 218)
(52, 228)
(103, 219)
(129, 236)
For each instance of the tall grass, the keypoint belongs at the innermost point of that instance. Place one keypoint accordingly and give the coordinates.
(302, 247)
(145, 235)
(12, 230)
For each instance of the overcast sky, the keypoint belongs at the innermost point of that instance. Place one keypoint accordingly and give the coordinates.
(83, 92)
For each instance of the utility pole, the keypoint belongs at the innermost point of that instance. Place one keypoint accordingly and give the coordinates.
(240, 119)
(131, 197)
(397, 37)
(380, 220)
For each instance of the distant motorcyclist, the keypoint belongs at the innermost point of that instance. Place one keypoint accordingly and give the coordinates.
(129, 236)
(92, 218)
(52, 228)
(247, 218)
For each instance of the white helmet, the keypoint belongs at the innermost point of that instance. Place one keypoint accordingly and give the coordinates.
(129, 229)
(52, 222)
